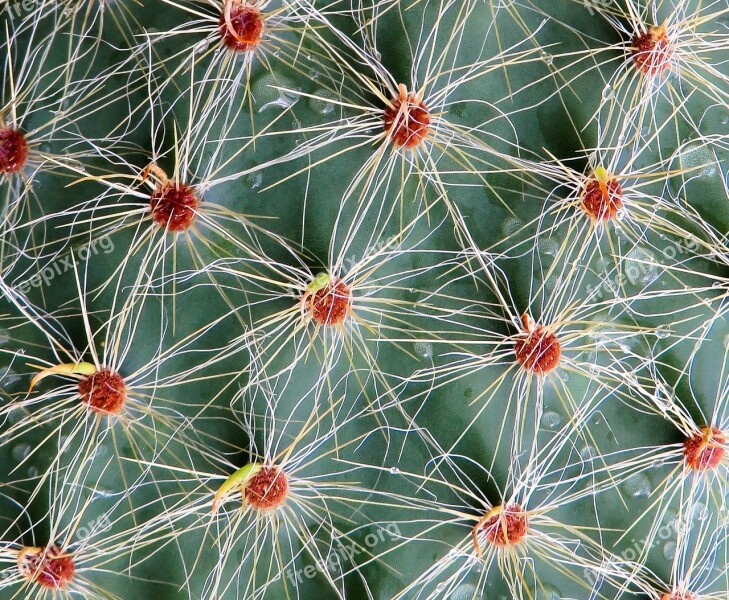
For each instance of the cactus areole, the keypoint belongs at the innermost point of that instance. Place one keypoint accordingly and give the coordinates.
(104, 392)
(13, 150)
(327, 300)
(652, 50)
(705, 450)
(49, 567)
(174, 205)
(602, 196)
(267, 489)
(407, 120)
(240, 26)
(677, 596)
(537, 349)
(504, 525)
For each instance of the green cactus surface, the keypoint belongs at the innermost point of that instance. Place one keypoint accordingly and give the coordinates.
(364, 299)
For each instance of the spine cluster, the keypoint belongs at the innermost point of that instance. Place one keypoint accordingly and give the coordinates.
(397, 300)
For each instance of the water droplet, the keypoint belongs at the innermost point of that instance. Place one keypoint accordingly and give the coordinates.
(511, 225)
(101, 451)
(547, 58)
(32, 472)
(201, 47)
(267, 93)
(549, 246)
(65, 445)
(4, 337)
(671, 519)
(641, 267)
(607, 92)
(394, 471)
(283, 101)
(551, 419)
(16, 415)
(321, 103)
(638, 485)
(424, 349)
(465, 591)
(8, 377)
(700, 512)
(254, 180)
(588, 452)
(697, 155)
(663, 331)
(669, 550)
(20, 452)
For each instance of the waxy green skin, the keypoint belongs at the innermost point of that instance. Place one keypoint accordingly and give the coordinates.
(544, 127)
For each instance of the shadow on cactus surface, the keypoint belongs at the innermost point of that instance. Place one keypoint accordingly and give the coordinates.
(396, 299)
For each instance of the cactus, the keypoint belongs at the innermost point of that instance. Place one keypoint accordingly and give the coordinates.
(364, 299)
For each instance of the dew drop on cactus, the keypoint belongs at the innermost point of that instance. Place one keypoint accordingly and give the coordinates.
(267, 489)
(104, 392)
(669, 550)
(511, 225)
(502, 525)
(13, 150)
(240, 26)
(328, 302)
(407, 120)
(465, 591)
(698, 157)
(652, 50)
(49, 567)
(705, 450)
(551, 419)
(173, 205)
(638, 485)
(537, 350)
(20, 452)
(602, 196)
